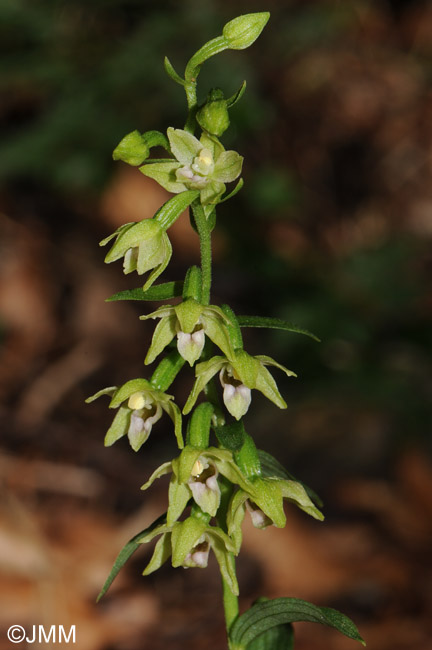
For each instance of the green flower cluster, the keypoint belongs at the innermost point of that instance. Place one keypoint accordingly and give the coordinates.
(213, 485)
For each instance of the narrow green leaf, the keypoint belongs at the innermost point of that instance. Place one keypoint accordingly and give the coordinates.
(169, 69)
(264, 615)
(164, 291)
(126, 552)
(273, 323)
(279, 637)
(237, 96)
(271, 467)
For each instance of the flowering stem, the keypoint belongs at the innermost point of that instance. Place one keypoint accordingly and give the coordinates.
(191, 96)
(204, 233)
(230, 603)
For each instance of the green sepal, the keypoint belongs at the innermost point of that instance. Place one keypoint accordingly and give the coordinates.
(166, 371)
(199, 426)
(234, 191)
(273, 323)
(163, 334)
(179, 496)
(204, 371)
(231, 101)
(118, 426)
(164, 291)
(126, 552)
(184, 536)
(164, 174)
(105, 391)
(264, 615)
(272, 468)
(174, 207)
(169, 69)
(161, 553)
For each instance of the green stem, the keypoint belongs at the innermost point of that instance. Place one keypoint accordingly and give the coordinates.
(192, 102)
(231, 605)
(204, 233)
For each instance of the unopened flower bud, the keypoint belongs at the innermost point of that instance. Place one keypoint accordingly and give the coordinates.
(213, 115)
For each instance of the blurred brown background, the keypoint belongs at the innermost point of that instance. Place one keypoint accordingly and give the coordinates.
(332, 232)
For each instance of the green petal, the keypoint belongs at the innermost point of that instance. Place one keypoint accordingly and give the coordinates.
(119, 426)
(228, 167)
(184, 145)
(164, 333)
(213, 144)
(164, 174)
(161, 553)
(204, 372)
(212, 192)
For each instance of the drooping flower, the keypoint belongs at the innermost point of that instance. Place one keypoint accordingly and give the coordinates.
(144, 246)
(139, 407)
(202, 165)
(239, 373)
(263, 499)
(190, 322)
(195, 475)
(188, 543)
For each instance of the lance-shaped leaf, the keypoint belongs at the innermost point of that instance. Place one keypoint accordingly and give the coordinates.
(273, 323)
(264, 615)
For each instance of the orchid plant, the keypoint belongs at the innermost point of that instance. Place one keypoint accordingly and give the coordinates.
(215, 483)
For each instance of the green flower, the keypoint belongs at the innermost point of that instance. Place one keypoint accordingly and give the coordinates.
(144, 246)
(188, 543)
(140, 406)
(263, 499)
(202, 165)
(195, 475)
(239, 373)
(190, 322)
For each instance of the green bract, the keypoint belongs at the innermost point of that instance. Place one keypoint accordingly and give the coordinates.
(202, 165)
(139, 407)
(239, 374)
(144, 247)
(190, 322)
